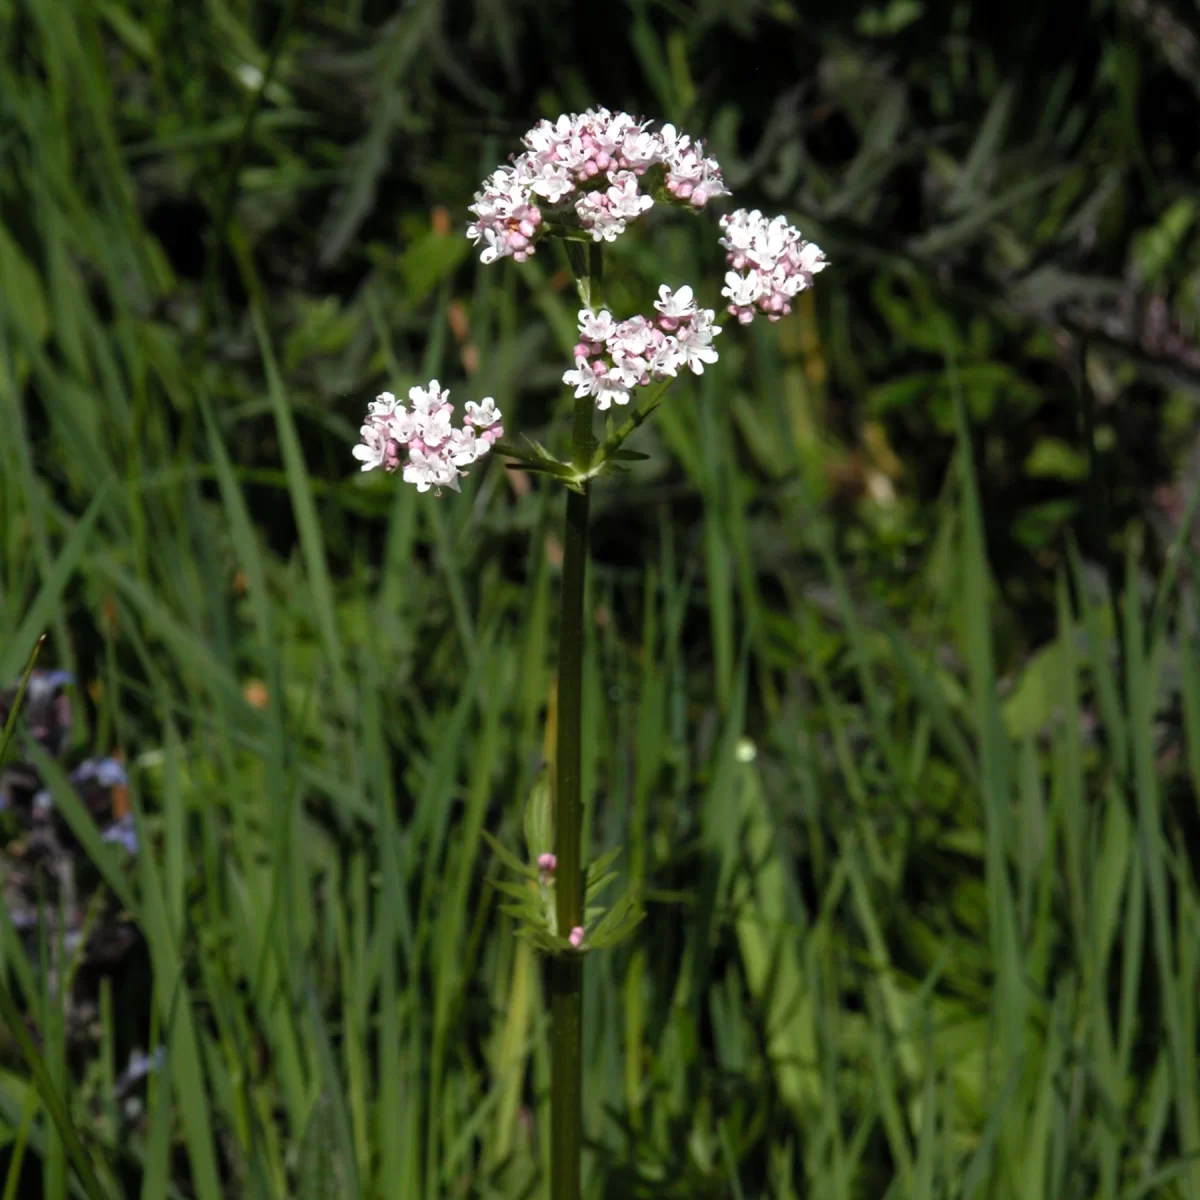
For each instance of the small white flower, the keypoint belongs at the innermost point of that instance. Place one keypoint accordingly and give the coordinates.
(426, 399)
(595, 213)
(401, 425)
(429, 471)
(742, 290)
(433, 428)
(641, 149)
(624, 197)
(678, 305)
(667, 359)
(810, 261)
(673, 142)
(582, 379)
(371, 449)
(695, 341)
(382, 406)
(632, 338)
(553, 182)
(596, 327)
(544, 138)
(484, 414)
(462, 447)
(419, 470)
(610, 390)
(696, 354)
(740, 228)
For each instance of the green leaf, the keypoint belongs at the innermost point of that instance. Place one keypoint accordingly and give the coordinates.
(617, 923)
(1054, 459)
(539, 818)
(508, 858)
(14, 712)
(1156, 248)
(53, 585)
(15, 1021)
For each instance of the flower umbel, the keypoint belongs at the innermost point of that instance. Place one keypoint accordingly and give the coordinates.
(612, 358)
(594, 161)
(437, 451)
(777, 264)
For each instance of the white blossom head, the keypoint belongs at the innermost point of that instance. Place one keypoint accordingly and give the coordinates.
(422, 441)
(613, 358)
(597, 163)
(771, 263)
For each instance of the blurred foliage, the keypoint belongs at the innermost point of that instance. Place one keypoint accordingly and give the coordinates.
(892, 689)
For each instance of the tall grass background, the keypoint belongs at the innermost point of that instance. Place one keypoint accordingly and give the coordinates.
(892, 692)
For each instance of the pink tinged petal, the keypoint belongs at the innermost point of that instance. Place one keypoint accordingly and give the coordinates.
(484, 414)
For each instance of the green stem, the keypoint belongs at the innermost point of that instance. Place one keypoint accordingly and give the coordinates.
(566, 970)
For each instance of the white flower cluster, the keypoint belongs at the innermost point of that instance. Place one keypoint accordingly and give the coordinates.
(613, 357)
(437, 451)
(595, 159)
(776, 262)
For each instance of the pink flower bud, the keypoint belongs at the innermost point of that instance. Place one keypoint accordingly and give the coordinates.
(547, 862)
(575, 937)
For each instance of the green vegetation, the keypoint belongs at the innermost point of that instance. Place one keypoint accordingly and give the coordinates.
(891, 681)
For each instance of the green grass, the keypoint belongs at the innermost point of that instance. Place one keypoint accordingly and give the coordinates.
(921, 916)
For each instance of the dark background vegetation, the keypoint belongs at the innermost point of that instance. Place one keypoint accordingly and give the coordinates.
(893, 691)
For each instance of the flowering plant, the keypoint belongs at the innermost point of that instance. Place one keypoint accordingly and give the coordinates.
(582, 180)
